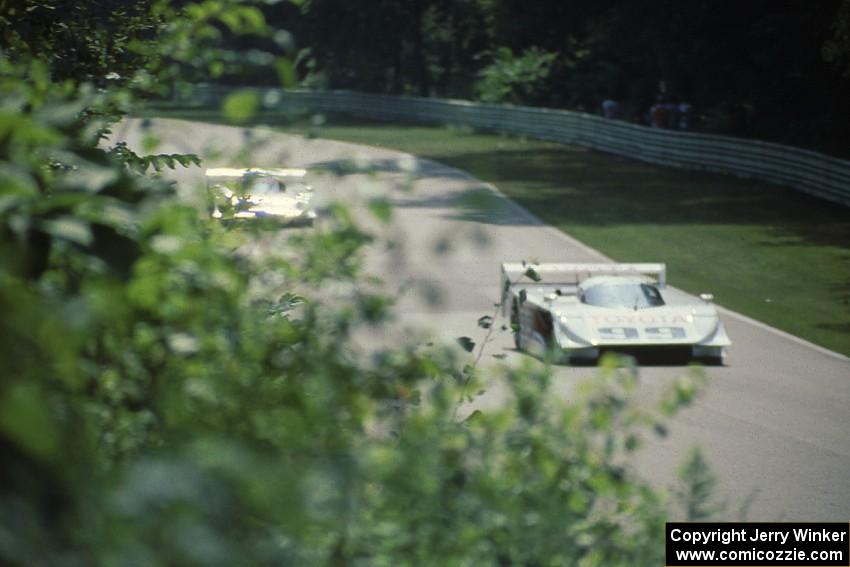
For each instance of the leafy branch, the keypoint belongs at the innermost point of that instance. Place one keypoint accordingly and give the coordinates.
(486, 322)
(142, 163)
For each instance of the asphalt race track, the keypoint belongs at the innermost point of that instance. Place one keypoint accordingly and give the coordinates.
(774, 423)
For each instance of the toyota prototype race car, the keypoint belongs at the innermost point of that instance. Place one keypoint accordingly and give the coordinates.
(577, 311)
(253, 193)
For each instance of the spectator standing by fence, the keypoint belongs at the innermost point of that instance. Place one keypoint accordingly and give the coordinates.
(610, 109)
(658, 113)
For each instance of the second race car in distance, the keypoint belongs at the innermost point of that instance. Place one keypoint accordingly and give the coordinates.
(575, 311)
(253, 193)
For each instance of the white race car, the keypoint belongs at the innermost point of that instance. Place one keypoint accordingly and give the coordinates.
(252, 193)
(576, 311)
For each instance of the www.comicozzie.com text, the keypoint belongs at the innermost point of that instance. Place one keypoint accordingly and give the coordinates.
(702, 556)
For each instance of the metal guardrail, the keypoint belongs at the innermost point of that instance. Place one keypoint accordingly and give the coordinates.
(818, 174)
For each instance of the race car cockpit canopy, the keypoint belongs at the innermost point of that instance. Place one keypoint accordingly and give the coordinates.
(620, 292)
(565, 278)
(262, 185)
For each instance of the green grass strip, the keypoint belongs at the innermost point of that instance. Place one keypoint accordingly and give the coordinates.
(770, 252)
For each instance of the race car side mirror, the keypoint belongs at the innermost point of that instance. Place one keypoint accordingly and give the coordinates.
(706, 297)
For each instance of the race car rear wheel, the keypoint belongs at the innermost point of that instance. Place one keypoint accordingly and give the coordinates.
(715, 357)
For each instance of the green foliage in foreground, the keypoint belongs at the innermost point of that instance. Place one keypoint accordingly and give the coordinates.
(772, 253)
(167, 398)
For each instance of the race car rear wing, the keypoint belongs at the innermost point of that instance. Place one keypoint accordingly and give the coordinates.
(236, 173)
(516, 274)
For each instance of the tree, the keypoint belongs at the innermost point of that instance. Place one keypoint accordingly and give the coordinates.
(516, 79)
(748, 69)
(82, 40)
(836, 50)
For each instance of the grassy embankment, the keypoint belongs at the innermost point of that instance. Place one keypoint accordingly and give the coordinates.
(772, 253)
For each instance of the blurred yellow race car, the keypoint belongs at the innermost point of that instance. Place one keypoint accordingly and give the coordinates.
(259, 193)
